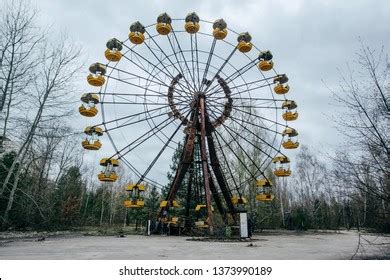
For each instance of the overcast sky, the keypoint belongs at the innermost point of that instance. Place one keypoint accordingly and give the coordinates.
(310, 40)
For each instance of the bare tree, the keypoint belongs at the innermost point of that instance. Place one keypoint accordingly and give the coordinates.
(311, 185)
(364, 97)
(53, 77)
(20, 40)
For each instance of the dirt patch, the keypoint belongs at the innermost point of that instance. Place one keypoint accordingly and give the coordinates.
(225, 240)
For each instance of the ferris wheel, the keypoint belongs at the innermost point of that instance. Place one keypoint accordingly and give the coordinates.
(205, 86)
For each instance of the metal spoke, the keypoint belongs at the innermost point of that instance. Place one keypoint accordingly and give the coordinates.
(155, 66)
(185, 60)
(208, 62)
(160, 152)
(173, 64)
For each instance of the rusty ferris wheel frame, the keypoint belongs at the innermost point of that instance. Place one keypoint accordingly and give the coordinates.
(193, 88)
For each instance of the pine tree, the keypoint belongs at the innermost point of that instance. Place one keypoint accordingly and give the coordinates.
(67, 197)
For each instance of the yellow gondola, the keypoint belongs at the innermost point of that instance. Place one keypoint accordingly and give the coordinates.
(96, 77)
(172, 203)
(108, 174)
(201, 212)
(91, 141)
(113, 56)
(282, 169)
(266, 62)
(94, 146)
(281, 172)
(292, 141)
(109, 162)
(199, 207)
(265, 190)
(88, 112)
(136, 34)
(290, 116)
(238, 200)
(88, 108)
(220, 29)
(265, 197)
(244, 42)
(136, 203)
(130, 204)
(96, 80)
(265, 65)
(281, 89)
(281, 86)
(192, 23)
(163, 25)
(289, 144)
(263, 183)
(136, 198)
(169, 212)
(113, 51)
(111, 177)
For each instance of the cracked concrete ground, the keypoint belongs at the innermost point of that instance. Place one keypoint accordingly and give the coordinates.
(289, 245)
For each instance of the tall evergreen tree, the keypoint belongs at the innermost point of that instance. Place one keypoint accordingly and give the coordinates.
(67, 197)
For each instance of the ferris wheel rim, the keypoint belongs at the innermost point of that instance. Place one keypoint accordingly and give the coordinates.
(102, 94)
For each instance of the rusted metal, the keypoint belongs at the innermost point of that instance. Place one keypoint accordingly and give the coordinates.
(228, 106)
(185, 160)
(200, 126)
(175, 113)
(206, 175)
(215, 165)
(188, 198)
(217, 199)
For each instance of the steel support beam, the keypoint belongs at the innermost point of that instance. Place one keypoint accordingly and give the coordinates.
(203, 154)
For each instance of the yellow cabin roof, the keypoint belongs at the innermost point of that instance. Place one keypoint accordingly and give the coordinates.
(89, 130)
(289, 105)
(90, 97)
(98, 68)
(173, 203)
(107, 161)
(281, 159)
(281, 79)
(290, 132)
